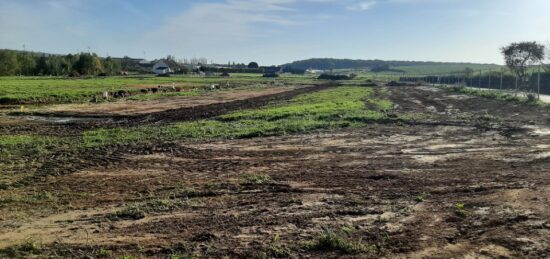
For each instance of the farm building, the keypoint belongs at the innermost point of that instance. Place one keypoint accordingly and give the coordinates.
(315, 71)
(166, 66)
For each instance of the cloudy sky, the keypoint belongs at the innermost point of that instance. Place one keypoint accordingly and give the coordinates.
(276, 31)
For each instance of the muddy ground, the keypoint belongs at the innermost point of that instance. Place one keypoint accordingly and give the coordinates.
(462, 177)
(131, 108)
(75, 121)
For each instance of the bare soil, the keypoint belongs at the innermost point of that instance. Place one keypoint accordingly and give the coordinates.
(466, 177)
(130, 108)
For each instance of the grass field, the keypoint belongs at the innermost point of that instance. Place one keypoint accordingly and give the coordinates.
(67, 90)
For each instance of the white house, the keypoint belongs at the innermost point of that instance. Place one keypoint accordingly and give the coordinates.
(314, 71)
(162, 68)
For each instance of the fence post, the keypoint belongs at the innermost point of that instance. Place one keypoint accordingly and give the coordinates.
(490, 75)
(516, 90)
(501, 76)
(538, 85)
(479, 82)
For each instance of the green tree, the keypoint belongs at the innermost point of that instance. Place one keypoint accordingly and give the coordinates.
(42, 66)
(253, 65)
(111, 66)
(547, 60)
(27, 63)
(88, 64)
(519, 56)
(127, 63)
(9, 64)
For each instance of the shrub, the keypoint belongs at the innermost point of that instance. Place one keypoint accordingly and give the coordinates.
(271, 75)
(531, 98)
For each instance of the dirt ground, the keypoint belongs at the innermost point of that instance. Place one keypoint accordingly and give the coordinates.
(465, 177)
(129, 108)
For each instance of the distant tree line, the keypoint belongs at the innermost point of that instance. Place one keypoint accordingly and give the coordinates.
(330, 63)
(33, 64)
(230, 70)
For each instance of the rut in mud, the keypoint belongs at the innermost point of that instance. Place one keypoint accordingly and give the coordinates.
(468, 178)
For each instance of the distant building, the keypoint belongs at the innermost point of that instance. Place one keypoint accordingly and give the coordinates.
(165, 66)
(314, 71)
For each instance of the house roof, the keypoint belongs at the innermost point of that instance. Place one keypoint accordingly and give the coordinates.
(170, 63)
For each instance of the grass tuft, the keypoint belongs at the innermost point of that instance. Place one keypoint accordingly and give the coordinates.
(257, 179)
(139, 210)
(331, 241)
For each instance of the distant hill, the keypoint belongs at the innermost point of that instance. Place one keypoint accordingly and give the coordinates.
(406, 66)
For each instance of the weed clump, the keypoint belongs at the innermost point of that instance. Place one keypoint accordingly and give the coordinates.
(104, 253)
(128, 213)
(420, 197)
(138, 210)
(22, 250)
(460, 209)
(331, 241)
(257, 179)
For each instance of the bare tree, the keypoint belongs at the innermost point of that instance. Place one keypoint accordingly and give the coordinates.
(519, 56)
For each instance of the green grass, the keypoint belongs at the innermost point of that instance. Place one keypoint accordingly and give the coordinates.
(33, 198)
(14, 146)
(70, 90)
(333, 108)
(258, 179)
(30, 247)
(460, 209)
(330, 241)
(495, 94)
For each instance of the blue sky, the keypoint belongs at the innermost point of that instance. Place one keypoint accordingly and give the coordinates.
(276, 31)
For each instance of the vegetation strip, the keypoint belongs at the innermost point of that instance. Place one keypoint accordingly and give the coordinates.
(334, 108)
(497, 94)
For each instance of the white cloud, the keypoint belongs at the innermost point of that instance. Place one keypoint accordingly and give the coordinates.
(362, 5)
(229, 22)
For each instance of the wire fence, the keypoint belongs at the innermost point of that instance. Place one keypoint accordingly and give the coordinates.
(535, 82)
